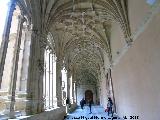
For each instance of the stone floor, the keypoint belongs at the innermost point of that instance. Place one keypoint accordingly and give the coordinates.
(97, 113)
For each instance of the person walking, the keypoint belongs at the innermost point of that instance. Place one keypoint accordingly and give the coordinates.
(109, 106)
(90, 106)
(68, 102)
(82, 102)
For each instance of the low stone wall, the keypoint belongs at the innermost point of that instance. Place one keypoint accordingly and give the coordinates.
(5, 101)
(55, 114)
(2, 100)
(72, 108)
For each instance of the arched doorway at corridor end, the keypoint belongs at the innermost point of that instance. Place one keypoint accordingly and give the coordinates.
(88, 95)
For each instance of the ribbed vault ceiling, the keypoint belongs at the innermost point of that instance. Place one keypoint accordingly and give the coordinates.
(81, 30)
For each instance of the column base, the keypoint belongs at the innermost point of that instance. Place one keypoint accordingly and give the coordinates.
(59, 103)
(10, 113)
(34, 107)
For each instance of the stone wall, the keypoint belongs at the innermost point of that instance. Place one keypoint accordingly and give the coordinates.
(136, 76)
(72, 108)
(55, 114)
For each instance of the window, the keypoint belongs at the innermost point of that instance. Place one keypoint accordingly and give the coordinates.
(64, 86)
(49, 80)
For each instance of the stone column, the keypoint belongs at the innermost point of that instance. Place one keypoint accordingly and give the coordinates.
(68, 91)
(112, 89)
(35, 76)
(21, 56)
(72, 85)
(25, 61)
(15, 66)
(52, 73)
(73, 91)
(29, 37)
(76, 92)
(68, 85)
(31, 101)
(40, 80)
(54, 82)
(5, 38)
(58, 83)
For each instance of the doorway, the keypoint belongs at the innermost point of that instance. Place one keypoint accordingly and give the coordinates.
(88, 95)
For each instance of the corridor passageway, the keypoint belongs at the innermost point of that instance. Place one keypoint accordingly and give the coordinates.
(55, 53)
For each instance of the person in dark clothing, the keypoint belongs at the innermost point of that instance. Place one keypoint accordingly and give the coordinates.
(109, 106)
(82, 102)
(90, 106)
(68, 102)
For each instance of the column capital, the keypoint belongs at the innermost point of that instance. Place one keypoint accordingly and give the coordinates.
(30, 103)
(21, 18)
(29, 27)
